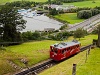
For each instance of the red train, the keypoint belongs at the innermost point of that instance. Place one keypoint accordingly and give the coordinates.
(64, 50)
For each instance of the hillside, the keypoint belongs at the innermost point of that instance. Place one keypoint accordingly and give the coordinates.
(34, 52)
(90, 67)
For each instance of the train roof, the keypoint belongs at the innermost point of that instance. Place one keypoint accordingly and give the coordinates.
(66, 44)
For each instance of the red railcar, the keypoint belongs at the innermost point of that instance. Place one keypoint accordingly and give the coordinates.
(64, 50)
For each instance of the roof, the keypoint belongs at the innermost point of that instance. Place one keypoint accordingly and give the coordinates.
(66, 44)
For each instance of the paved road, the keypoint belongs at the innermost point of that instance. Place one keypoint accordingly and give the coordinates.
(86, 24)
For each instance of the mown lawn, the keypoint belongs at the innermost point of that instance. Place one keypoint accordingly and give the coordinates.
(85, 3)
(34, 52)
(69, 17)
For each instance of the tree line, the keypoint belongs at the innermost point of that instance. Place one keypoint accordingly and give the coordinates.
(85, 14)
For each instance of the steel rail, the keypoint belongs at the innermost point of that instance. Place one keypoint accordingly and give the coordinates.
(45, 65)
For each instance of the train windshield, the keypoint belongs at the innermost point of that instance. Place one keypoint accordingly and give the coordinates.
(54, 50)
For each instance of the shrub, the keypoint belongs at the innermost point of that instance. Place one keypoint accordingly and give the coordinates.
(84, 14)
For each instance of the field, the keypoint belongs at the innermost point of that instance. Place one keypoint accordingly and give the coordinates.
(89, 67)
(34, 52)
(85, 3)
(69, 17)
(4, 1)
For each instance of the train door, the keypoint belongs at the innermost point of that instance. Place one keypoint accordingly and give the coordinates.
(62, 54)
(78, 47)
(72, 50)
(68, 52)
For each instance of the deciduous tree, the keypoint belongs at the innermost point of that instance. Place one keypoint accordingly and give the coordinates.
(79, 33)
(11, 23)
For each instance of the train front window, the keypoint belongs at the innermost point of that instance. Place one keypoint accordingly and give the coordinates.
(52, 49)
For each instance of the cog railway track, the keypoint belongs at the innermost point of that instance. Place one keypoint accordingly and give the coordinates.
(45, 65)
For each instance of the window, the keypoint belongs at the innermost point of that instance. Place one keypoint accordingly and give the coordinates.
(52, 49)
(55, 50)
(77, 46)
(62, 51)
(68, 48)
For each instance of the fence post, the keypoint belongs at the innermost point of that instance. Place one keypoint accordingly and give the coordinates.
(86, 56)
(74, 69)
(89, 50)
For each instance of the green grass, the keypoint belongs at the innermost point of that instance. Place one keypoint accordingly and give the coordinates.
(4, 1)
(90, 67)
(87, 39)
(34, 52)
(4, 66)
(69, 17)
(65, 67)
(85, 3)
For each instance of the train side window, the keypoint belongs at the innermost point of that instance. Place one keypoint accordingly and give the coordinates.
(62, 51)
(77, 46)
(68, 48)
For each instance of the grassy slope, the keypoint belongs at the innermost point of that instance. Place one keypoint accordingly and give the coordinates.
(91, 67)
(4, 66)
(82, 67)
(69, 17)
(85, 3)
(34, 52)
